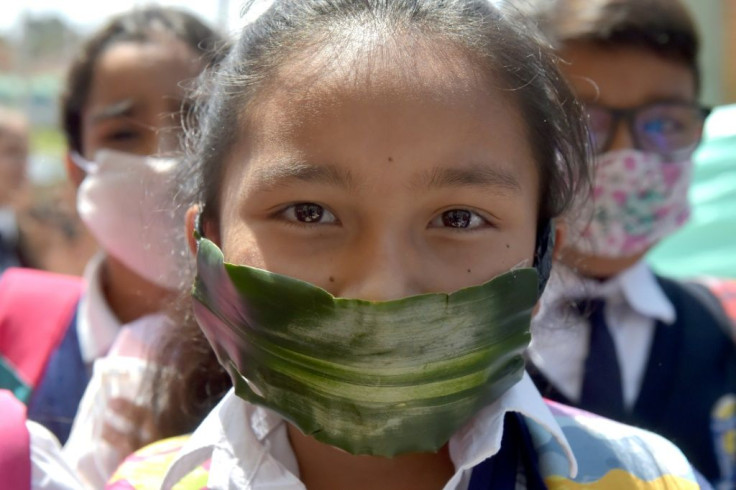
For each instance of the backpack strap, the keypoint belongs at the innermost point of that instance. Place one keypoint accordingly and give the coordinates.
(15, 443)
(35, 309)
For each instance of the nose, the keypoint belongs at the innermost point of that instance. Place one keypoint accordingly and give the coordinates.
(622, 139)
(381, 270)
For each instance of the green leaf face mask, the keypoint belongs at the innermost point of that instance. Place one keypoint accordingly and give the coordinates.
(380, 378)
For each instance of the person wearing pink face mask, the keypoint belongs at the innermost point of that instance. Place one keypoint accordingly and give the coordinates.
(623, 341)
(74, 351)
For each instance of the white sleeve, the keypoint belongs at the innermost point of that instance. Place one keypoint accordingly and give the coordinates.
(49, 470)
(92, 457)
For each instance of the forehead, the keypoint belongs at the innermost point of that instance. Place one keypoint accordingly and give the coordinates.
(625, 76)
(417, 99)
(404, 64)
(150, 72)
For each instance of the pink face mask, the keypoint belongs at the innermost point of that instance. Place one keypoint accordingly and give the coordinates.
(638, 199)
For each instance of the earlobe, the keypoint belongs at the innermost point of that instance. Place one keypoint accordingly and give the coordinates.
(76, 174)
(191, 223)
(209, 230)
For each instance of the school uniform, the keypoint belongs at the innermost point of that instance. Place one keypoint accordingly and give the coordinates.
(676, 359)
(241, 445)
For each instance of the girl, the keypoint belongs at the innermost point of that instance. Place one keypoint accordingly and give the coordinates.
(652, 352)
(122, 104)
(391, 152)
(125, 94)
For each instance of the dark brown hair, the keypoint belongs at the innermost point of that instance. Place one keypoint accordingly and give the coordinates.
(141, 25)
(663, 27)
(505, 46)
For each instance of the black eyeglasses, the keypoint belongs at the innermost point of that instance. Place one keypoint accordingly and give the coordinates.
(671, 129)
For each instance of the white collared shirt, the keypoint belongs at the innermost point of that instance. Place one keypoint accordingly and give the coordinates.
(97, 325)
(100, 332)
(634, 304)
(249, 446)
(49, 470)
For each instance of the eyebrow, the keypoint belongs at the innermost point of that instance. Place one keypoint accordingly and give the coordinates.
(286, 173)
(473, 174)
(116, 109)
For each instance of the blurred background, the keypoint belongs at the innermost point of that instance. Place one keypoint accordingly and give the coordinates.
(38, 38)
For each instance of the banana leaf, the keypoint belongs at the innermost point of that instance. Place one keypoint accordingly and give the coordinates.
(380, 378)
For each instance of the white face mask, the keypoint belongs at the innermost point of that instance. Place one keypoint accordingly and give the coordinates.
(638, 198)
(127, 203)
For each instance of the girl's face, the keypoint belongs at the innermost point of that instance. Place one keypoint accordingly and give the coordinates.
(135, 97)
(414, 175)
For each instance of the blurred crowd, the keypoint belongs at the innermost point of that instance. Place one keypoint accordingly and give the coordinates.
(40, 227)
(378, 244)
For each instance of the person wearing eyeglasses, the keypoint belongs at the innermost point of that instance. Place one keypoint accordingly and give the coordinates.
(613, 337)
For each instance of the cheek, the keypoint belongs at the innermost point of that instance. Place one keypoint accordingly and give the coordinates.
(452, 265)
(241, 247)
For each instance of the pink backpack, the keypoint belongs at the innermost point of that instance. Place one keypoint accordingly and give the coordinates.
(15, 443)
(35, 310)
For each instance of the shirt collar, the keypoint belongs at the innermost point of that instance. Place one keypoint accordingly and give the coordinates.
(97, 325)
(261, 449)
(637, 286)
(644, 294)
(481, 437)
(99, 330)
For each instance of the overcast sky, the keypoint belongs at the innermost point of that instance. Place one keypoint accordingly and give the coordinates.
(88, 14)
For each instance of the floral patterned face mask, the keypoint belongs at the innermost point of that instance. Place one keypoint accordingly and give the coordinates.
(638, 198)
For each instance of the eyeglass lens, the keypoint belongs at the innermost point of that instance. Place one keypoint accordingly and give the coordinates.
(667, 129)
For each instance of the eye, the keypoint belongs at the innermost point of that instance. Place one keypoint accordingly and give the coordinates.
(123, 135)
(309, 213)
(461, 219)
(663, 126)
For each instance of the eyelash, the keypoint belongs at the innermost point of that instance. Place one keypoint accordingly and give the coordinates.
(289, 215)
(122, 135)
(480, 221)
(293, 221)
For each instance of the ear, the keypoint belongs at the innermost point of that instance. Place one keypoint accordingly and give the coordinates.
(76, 174)
(210, 230)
